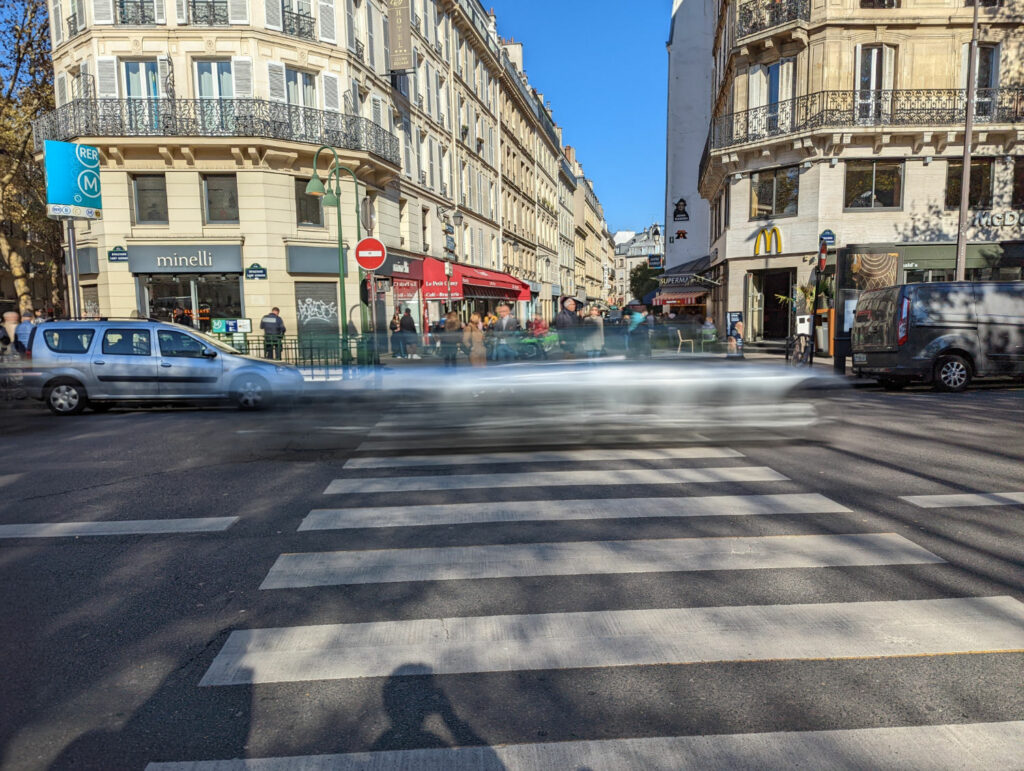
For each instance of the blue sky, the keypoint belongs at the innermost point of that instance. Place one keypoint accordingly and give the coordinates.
(603, 66)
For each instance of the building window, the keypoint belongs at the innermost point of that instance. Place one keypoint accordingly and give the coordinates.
(873, 185)
(308, 209)
(774, 193)
(1018, 183)
(221, 195)
(149, 198)
(980, 196)
(879, 3)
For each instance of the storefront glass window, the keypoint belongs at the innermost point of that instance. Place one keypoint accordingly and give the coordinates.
(221, 198)
(308, 209)
(150, 199)
(774, 193)
(201, 297)
(874, 184)
(980, 196)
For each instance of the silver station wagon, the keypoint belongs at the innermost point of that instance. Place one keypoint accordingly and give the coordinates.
(74, 364)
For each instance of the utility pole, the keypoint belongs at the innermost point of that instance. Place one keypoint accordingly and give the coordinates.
(965, 179)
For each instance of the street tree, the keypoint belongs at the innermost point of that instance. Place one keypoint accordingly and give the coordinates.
(28, 239)
(643, 280)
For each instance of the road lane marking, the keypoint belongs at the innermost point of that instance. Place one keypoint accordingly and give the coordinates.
(594, 508)
(403, 439)
(960, 747)
(964, 500)
(619, 638)
(586, 478)
(118, 527)
(542, 456)
(292, 571)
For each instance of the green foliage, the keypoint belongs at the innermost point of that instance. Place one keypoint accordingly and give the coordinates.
(643, 280)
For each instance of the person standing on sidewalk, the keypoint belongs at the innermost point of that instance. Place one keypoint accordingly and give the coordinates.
(473, 341)
(407, 326)
(273, 334)
(593, 333)
(567, 323)
(505, 327)
(451, 335)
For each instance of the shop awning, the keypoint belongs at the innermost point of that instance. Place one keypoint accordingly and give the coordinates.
(681, 297)
(495, 284)
(436, 284)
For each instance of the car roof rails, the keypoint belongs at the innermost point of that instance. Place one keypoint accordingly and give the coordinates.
(104, 318)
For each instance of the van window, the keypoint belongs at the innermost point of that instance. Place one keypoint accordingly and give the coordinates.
(936, 303)
(126, 342)
(68, 340)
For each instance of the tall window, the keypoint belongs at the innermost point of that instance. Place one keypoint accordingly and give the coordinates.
(774, 193)
(149, 199)
(980, 195)
(221, 195)
(301, 88)
(873, 185)
(308, 208)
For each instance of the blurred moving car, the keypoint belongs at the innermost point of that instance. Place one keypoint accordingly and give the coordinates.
(945, 333)
(74, 364)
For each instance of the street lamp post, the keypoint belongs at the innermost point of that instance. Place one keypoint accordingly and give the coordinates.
(965, 174)
(332, 197)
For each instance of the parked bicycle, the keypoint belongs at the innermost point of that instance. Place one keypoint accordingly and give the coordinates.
(798, 350)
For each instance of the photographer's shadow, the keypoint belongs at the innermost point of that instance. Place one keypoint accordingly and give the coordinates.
(410, 697)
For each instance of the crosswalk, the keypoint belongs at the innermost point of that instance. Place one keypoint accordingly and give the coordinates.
(372, 493)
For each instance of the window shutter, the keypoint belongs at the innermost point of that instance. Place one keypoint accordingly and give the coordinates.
(354, 96)
(57, 23)
(378, 111)
(275, 82)
(387, 44)
(238, 11)
(430, 90)
(757, 86)
(102, 11)
(430, 160)
(84, 90)
(106, 77)
(350, 24)
(407, 137)
(241, 74)
(328, 31)
(787, 69)
(415, 74)
(163, 71)
(181, 11)
(274, 14)
(61, 89)
(370, 48)
(858, 52)
(437, 90)
(332, 92)
(159, 11)
(888, 67)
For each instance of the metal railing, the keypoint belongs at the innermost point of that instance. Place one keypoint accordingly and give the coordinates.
(307, 352)
(208, 13)
(215, 118)
(136, 12)
(360, 51)
(760, 15)
(299, 24)
(852, 109)
(75, 25)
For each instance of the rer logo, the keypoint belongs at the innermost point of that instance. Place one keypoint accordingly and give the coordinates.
(72, 180)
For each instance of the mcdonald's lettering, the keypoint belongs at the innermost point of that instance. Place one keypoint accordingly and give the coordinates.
(771, 238)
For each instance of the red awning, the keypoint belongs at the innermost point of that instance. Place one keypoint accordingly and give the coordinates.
(680, 297)
(509, 286)
(436, 284)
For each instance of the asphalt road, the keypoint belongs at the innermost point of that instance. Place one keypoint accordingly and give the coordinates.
(121, 650)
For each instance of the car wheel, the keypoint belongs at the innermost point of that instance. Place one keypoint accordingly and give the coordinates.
(952, 373)
(251, 392)
(888, 384)
(66, 397)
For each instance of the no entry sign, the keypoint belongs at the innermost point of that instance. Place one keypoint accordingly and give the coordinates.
(370, 254)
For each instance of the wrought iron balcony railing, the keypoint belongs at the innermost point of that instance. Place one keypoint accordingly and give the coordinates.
(360, 50)
(759, 15)
(851, 109)
(208, 13)
(299, 25)
(215, 118)
(136, 12)
(76, 26)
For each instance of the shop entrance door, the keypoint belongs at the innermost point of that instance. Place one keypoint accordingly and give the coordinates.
(202, 297)
(776, 284)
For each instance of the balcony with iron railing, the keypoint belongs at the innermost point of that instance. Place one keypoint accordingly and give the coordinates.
(136, 13)
(360, 51)
(298, 24)
(759, 15)
(208, 13)
(75, 25)
(250, 118)
(904, 108)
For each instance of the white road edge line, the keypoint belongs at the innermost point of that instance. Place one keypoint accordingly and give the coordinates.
(118, 527)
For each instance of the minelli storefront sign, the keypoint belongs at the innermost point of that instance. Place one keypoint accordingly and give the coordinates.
(998, 219)
(215, 258)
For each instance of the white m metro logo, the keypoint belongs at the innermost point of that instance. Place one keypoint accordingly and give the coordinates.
(89, 183)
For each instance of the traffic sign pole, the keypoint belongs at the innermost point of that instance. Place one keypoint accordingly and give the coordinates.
(76, 303)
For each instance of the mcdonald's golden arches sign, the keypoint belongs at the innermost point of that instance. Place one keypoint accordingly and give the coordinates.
(771, 238)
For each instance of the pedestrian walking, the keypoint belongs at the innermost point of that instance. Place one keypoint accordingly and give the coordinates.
(473, 341)
(273, 334)
(567, 323)
(397, 341)
(451, 336)
(23, 332)
(407, 327)
(708, 334)
(504, 329)
(593, 333)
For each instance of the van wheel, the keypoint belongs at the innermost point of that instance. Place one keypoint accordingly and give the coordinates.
(952, 373)
(66, 397)
(888, 384)
(251, 392)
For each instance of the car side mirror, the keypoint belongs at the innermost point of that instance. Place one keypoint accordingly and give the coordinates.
(209, 353)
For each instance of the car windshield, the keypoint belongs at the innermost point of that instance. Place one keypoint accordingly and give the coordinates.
(220, 345)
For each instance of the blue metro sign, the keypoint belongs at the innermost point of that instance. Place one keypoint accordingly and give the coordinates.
(72, 180)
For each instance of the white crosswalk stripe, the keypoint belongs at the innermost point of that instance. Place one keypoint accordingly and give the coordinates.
(541, 456)
(592, 558)
(592, 508)
(588, 478)
(118, 527)
(960, 747)
(964, 500)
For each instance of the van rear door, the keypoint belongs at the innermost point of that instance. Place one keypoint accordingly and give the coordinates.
(874, 324)
(1001, 324)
